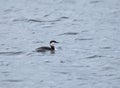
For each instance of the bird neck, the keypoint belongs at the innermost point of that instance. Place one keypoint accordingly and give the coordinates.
(52, 47)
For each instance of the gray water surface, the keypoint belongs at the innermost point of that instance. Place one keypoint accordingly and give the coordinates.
(88, 55)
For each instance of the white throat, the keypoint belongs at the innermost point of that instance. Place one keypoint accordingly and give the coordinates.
(52, 44)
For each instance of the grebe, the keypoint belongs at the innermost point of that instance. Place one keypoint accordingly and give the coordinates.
(51, 48)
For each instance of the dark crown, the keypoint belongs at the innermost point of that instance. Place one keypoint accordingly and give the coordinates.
(53, 41)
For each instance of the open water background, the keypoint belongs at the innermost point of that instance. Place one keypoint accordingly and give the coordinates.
(88, 55)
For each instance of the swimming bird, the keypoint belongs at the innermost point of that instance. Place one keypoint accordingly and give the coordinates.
(44, 48)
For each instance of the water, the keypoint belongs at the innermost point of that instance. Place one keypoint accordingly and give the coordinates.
(86, 57)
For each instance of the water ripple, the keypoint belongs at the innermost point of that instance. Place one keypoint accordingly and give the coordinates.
(95, 2)
(107, 47)
(11, 53)
(69, 33)
(95, 56)
(83, 39)
(12, 80)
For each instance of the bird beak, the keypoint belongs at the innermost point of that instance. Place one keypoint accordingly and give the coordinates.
(56, 42)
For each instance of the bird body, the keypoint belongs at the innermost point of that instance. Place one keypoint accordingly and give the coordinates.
(44, 48)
